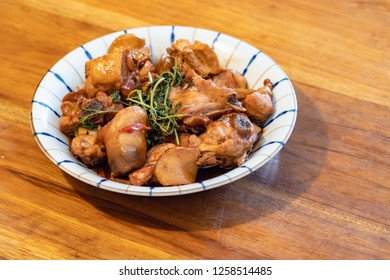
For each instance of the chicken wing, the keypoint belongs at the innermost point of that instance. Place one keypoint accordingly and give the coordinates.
(227, 141)
(259, 104)
(87, 147)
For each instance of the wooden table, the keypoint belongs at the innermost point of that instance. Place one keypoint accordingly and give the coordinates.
(326, 195)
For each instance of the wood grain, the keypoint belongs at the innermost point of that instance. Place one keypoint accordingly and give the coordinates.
(326, 195)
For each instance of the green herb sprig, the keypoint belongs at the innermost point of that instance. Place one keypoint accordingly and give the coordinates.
(155, 101)
(116, 97)
(86, 122)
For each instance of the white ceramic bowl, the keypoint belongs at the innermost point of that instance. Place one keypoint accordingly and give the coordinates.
(68, 74)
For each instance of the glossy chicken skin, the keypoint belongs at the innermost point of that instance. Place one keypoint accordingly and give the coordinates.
(126, 151)
(126, 42)
(227, 141)
(196, 56)
(136, 66)
(203, 99)
(177, 166)
(258, 104)
(105, 73)
(168, 164)
(230, 78)
(144, 174)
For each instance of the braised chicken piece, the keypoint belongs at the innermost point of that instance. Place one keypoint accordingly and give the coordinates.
(197, 56)
(230, 78)
(108, 105)
(168, 164)
(266, 88)
(202, 100)
(125, 67)
(195, 123)
(102, 102)
(74, 96)
(235, 80)
(136, 65)
(227, 141)
(126, 42)
(76, 106)
(259, 104)
(70, 117)
(144, 174)
(179, 162)
(87, 147)
(71, 107)
(103, 73)
(185, 140)
(125, 140)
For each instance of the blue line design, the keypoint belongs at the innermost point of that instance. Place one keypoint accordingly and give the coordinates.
(244, 166)
(48, 134)
(89, 56)
(203, 185)
(150, 191)
(68, 161)
(270, 143)
(173, 34)
(100, 182)
(273, 142)
(250, 62)
(215, 40)
(125, 31)
(61, 80)
(279, 115)
(47, 106)
(278, 82)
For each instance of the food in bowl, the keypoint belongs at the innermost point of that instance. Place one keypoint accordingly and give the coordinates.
(161, 124)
